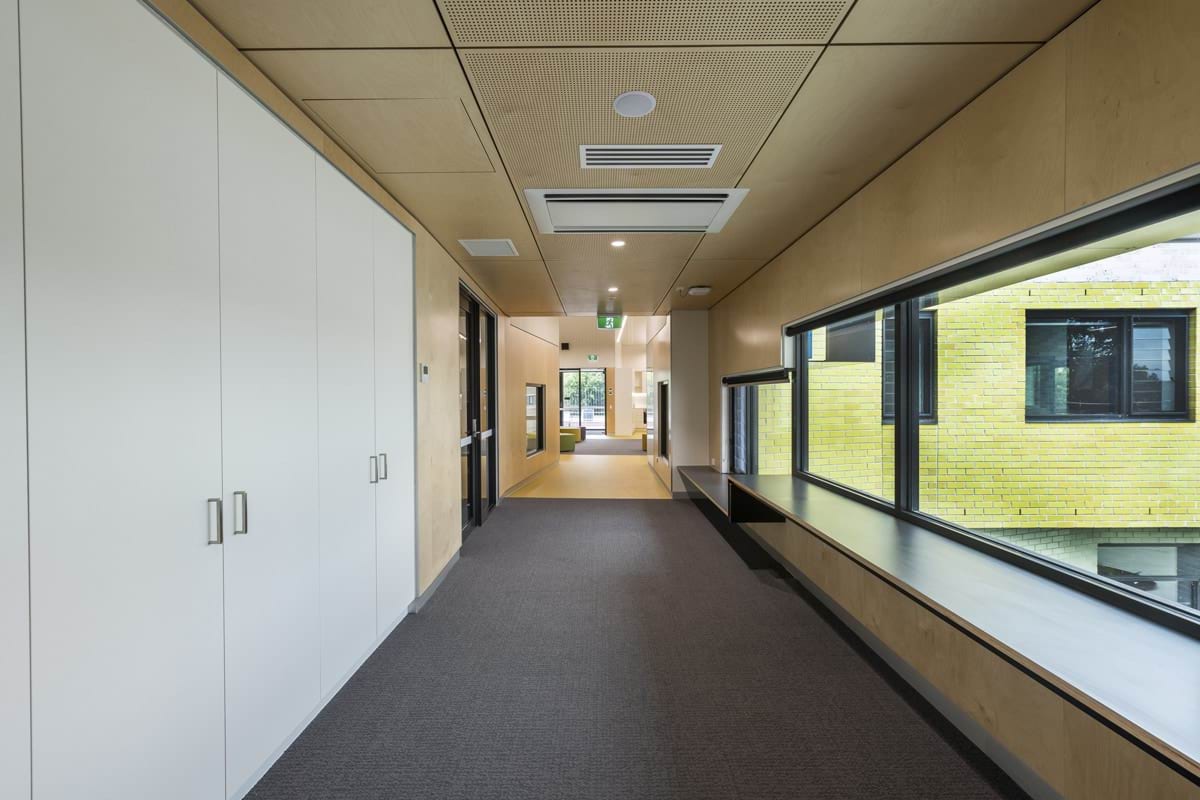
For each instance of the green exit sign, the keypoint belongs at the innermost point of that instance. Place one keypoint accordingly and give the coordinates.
(608, 323)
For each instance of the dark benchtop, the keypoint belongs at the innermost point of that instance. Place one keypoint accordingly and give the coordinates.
(1143, 677)
(712, 484)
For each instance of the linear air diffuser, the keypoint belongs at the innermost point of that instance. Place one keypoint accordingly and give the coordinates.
(632, 210)
(648, 156)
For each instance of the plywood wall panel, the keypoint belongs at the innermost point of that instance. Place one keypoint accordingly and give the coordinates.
(1132, 114)
(528, 359)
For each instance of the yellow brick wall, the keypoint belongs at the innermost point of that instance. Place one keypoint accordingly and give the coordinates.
(775, 429)
(982, 464)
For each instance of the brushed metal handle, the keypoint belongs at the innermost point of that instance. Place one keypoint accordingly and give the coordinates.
(216, 521)
(241, 513)
(374, 469)
(383, 466)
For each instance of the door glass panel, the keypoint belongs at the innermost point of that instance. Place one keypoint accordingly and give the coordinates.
(468, 514)
(591, 399)
(464, 366)
(485, 416)
(569, 407)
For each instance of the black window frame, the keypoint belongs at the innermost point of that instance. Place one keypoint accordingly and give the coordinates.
(1155, 206)
(540, 389)
(1127, 319)
(928, 413)
(743, 410)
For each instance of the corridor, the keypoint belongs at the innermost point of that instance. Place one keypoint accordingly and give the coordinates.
(620, 649)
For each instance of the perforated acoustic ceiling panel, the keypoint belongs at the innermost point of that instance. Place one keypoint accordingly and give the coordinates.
(482, 23)
(542, 104)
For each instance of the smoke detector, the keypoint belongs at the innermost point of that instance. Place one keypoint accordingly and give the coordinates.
(698, 291)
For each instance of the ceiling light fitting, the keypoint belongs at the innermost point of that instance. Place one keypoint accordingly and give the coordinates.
(618, 242)
(698, 291)
(612, 289)
(634, 104)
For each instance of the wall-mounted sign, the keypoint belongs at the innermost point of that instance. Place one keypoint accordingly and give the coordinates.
(593, 357)
(608, 323)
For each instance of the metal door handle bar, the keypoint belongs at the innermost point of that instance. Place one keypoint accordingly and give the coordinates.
(383, 466)
(374, 469)
(241, 513)
(216, 521)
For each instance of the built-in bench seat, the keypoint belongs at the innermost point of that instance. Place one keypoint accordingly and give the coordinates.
(1072, 695)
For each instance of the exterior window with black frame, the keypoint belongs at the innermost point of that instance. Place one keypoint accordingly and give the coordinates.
(1106, 364)
(1100, 334)
(535, 418)
(760, 430)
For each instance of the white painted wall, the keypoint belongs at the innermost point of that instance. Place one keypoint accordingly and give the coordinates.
(623, 396)
(14, 522)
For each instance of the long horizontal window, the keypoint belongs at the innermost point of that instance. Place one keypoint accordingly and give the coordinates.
(1067, 337)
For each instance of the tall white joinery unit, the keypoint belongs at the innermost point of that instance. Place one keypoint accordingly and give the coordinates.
(14, 523)
(269, 431)
(395, 427)
(124, 365)
(218, 338)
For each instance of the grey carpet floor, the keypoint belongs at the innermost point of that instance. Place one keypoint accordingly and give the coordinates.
(620, 649)
(609, 447)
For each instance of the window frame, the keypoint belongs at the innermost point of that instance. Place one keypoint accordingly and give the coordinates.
(1154, 206)
(540, 389)
(1128, 318)
(926, 417)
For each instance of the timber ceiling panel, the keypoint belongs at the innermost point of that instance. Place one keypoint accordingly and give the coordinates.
(723, 275)
(597, 249)
(254, 24)
(518, 286)
(584, 288)
(542, 104)
(506, 23)
(407, 134)
(861, 108)
(874, 21)
(380, 77)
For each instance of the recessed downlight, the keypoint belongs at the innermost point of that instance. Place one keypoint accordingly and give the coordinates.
(634, 104)
(613, 289)
(618, 242)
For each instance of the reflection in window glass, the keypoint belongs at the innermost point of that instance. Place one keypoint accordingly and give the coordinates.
(535, 401)
(1064, 422)
(848, 441)
(761, 429)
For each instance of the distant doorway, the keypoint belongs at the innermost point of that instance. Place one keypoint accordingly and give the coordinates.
(582, 393)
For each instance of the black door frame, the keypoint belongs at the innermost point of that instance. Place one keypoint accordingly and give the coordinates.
(579, 406)
(478, 440)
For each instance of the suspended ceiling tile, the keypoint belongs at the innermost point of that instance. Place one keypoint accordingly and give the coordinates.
(861, 109)
(958, 20)
(597, 249)
(542, 104)
(507, 23)
(407, 135)
(324, 24)
(518, 286)
(340, 74)
(584, 290)
(457, 206)
(723, 275)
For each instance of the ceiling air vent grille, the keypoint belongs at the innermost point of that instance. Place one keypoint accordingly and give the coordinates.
(632, 210)
(648, 156)
(489, 248)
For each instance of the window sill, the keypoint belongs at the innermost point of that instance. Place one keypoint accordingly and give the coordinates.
(1105, 420)
(1091, 653)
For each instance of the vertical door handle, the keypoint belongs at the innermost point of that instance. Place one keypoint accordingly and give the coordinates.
(241, 513)
(216, 521)
(374, 469)
(383, 466)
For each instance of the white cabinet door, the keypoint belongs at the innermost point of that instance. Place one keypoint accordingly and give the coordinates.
(269, 432)
(395, 419)
(346, 358)
(124, 404)
(14, 521)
